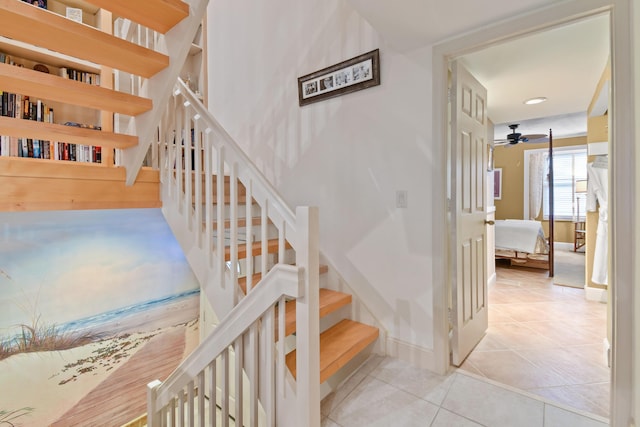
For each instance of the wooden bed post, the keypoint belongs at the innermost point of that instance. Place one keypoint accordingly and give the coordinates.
(551, 215)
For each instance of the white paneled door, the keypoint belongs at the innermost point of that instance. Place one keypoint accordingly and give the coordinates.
(469, 154)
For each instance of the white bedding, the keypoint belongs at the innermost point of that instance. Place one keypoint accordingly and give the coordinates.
(520, 235)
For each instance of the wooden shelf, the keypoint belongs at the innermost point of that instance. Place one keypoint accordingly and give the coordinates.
(29, 52)
(52, 31)
(74, 135)
(159, 15)
(54, 88)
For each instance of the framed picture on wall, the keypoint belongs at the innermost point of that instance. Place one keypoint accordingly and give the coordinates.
(357, 73)
(497, 183)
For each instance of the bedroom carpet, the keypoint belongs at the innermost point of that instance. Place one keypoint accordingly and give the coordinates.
(569, 269)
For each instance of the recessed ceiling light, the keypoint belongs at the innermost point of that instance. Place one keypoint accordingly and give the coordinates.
(537, 100)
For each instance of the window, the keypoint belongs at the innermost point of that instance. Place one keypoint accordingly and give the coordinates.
(569, 166)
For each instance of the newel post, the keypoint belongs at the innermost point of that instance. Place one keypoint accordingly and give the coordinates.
(307, 318)
(153, 415)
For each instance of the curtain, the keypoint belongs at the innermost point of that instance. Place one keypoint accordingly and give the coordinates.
(537, 169)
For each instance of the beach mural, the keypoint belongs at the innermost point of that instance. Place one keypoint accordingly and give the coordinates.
(94, 305)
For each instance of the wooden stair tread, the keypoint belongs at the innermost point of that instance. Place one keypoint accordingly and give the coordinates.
(53, 132)
(256, 249)
(338, 345)
(242, 222)
(49, 87)
(242, 281)
(41, 27)
(330, 301)
(159, 15)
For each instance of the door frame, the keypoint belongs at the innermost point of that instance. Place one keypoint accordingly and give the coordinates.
(621, 184)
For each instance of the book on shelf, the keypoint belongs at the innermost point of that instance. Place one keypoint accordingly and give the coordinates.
(40, 3)
(80, 76)
(22, 107)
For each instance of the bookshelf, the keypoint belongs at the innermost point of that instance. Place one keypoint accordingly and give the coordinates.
(28, 56)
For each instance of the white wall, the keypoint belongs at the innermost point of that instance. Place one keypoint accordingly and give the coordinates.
(347, 155)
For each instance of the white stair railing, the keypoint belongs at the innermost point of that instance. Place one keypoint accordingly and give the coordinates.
(209, 188)
(199, 391)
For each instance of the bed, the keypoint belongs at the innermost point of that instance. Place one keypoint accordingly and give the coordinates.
(522, 242)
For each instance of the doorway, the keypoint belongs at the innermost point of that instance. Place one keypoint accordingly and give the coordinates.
(621, 262)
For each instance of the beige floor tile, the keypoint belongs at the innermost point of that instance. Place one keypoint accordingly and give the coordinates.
(557, 417)
(376, 403)
(491, 405)
(518, 335)
(576, 368)
(419, 382)
(508, 367)
(579, 397)
(449, 419)
(556, 337)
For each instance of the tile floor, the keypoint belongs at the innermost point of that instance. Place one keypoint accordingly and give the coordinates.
(390, 392)
(541, 363)
(545, 339)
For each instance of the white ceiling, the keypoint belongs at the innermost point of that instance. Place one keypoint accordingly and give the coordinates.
(563, 64)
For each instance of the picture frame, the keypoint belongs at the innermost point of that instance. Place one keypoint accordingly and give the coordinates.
(360, 72)
(497, 183)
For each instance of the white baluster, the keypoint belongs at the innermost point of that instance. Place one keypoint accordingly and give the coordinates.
(233, 234)
(181, 403)
(208, 172)
(268, 368)
(201, 397)
(252, 366)
(188, 166)
(220, 217)
(213, 389)
(153, 420)
(190, 404)
(224, 388)
(307, 322)
(249, 235)
(239, 395)
(197, 172)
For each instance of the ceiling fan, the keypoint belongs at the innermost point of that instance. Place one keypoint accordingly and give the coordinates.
(516, 137)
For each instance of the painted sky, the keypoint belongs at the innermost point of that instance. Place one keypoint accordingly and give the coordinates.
(67, 265)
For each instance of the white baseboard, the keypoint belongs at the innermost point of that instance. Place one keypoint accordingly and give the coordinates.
(595, 294)
(417, 356)
(492, 279)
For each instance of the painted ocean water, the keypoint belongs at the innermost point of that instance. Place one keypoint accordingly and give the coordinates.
(171, 308)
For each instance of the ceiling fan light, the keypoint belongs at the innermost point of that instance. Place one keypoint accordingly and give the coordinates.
(537, 100)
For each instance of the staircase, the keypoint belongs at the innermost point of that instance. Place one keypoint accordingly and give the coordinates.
(279, 335)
